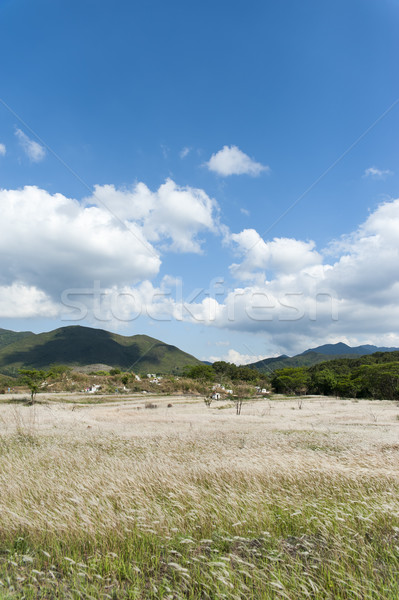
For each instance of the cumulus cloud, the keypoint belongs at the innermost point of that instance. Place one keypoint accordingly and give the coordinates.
(2, 150)
(232, 161)
(279, 256)
(294, 297)
(21, 301)
(375, 173)
(235, 357)
(290, 294)
(34, 151)
(52, 245)
(308, 299)
(51, 242)
(173, 215)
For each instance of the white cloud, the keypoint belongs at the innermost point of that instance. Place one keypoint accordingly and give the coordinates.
(21, 302)
(245, 212)
(34, 151)
(307, 300)
(51, 242)
(281, 255)
(2, 150)
(235, 357)
(173, 215)
(291, 295)
(232, 161)
(375, 173)
(185, 152)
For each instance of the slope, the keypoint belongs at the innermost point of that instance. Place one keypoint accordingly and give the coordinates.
(314, 356)
(77, 346)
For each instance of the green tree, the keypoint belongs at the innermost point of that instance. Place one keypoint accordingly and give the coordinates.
(291, 380)
(115, 371)
(346, 387)
(324, 382)
(59, 371)
(33, 379)
(204, 372)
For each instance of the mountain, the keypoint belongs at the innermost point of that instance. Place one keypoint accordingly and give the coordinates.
(8, 337)
(77, 346)
(314, 356)
(343, 349)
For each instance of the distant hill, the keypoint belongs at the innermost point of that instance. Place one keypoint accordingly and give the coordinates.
(343, 349)
(78, 346)
(317, 355)
(8, 337)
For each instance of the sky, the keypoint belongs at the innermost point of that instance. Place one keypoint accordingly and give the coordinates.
(222, 176)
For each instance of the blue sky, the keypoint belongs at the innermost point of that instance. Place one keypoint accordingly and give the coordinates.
(151, 149)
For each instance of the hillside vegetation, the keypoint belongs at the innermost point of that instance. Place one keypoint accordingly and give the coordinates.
(314, 356)
(7, 336)
(371, 376)
(77, 345)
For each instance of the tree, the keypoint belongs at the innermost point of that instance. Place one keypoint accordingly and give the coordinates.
(241, 393)
(59, 371)
(32, 378)
(204, 372)
(291, 380)
(324, 382)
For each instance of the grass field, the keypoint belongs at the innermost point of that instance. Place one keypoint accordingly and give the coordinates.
(290, 500)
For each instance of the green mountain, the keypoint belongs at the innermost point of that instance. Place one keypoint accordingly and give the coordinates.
(341, 349)
(8, 337)
(268, 365)
(314, 356)
(78, 346)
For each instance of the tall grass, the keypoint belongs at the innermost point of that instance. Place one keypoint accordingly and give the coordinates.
(201, 515)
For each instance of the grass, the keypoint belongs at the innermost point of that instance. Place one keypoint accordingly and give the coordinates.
(214, 512)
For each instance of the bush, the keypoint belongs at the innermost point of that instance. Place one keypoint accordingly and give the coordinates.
(150, 405)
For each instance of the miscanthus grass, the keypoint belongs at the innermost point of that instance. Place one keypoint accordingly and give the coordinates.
(202, 515)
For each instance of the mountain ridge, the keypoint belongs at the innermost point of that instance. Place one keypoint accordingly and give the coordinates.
(76, 345)
(314, 356)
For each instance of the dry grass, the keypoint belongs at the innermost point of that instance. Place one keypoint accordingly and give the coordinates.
(115, 501)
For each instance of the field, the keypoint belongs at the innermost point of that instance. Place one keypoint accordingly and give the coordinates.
(129, 498)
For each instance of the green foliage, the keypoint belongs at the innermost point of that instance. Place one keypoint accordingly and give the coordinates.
(221, 371)
(32, 378)
(115, 372)
(8, 337)
(371, 376)
(204, 372)
(230, 371)
(291, 380)
(324, 381)
(58, 371)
